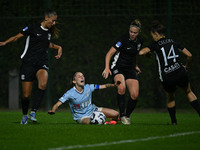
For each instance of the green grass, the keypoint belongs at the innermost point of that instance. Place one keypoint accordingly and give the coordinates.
(61, 131)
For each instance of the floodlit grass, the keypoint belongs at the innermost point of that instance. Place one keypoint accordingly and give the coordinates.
(60, 131)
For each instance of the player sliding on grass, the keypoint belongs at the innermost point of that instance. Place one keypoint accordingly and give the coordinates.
(172, 72)
(80, 100)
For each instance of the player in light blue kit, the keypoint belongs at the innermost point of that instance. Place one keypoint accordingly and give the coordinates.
(80, 100)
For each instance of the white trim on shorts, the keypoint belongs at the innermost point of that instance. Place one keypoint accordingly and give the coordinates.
(96, 109)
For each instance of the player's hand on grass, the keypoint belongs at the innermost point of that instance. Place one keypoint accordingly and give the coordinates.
(50, 112)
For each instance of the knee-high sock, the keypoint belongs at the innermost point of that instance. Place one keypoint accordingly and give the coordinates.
(121, 104)
(39, 94)
(25, 105)
(130, 107)
(195, 104)
(172, 113)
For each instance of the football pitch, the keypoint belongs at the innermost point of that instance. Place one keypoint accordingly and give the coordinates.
(148, 131)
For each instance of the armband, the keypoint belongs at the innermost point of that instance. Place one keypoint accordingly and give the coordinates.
(97, 87)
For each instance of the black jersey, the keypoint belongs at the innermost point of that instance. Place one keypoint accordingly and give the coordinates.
(167, 55)
(127, 51)
(37, 43)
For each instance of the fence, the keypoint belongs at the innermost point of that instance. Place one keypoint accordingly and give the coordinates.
(88, 29)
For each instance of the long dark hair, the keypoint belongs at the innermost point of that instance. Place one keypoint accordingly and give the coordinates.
(55, 31)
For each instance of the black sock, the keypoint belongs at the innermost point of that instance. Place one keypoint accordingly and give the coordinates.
(130, 107)
(195, 104)
(172, 113)
(25, 105)
(37, 99)
(121, 104)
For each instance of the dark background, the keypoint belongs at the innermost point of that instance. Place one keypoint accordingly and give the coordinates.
(88, 30)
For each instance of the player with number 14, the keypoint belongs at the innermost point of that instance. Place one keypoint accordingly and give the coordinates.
(172, 72)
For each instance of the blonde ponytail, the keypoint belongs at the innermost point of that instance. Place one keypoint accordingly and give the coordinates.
(136, 23)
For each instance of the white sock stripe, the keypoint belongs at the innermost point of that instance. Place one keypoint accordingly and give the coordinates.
(125, 141)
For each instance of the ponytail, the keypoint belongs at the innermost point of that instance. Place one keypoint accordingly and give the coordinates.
(55, 32)
(136, 23)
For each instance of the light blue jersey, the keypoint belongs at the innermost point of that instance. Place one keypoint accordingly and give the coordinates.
(80, 103)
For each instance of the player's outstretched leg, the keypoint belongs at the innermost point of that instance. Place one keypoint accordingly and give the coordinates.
(110, 113)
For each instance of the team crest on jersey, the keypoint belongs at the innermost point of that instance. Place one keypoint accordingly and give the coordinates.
(115, 71)
(25, 28)
(138, 47)
(49, 36)
(118, 44)
(87, 93)
(22, 77)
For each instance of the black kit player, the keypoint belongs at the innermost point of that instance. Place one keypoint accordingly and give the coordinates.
(124, 69)
(35, 60)
(172, 72)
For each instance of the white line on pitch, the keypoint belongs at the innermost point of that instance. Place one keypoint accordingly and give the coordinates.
(124, 141)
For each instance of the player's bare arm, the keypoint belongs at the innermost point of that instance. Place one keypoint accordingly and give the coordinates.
(110, 85)
(144, 51)
(189, 58)
(11, 39)
(57, 47)
(137, 69)
(54, 108)
(107, 71)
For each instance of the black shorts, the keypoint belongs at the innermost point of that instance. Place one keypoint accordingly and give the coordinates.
(180, 78)
(29, 70)
(128, 73)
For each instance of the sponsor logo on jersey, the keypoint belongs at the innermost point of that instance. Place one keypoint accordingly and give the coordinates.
(39, 34)
(85, 104)
(172, 68)
(115, 60)
(76, 106)
(129, 48)
(25, 28)
(118, 44)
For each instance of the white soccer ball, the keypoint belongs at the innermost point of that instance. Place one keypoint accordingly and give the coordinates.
(97, 117)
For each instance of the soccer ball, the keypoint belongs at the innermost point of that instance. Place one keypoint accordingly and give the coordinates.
(97, 117)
